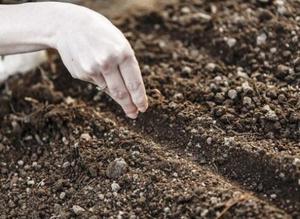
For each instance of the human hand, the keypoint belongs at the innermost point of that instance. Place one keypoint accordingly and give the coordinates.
(94, 50)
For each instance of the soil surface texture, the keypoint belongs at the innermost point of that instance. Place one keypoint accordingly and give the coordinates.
(221, 138)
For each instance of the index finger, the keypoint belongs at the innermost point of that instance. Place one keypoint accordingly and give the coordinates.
(133, 80)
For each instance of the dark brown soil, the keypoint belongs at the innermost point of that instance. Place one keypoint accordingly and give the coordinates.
(221, 138)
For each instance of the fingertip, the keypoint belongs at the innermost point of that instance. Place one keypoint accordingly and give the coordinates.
(132, 115)
(145, 106)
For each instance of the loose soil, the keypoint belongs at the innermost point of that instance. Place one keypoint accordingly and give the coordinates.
(220, 139)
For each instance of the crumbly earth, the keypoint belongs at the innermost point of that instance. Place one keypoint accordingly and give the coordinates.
(220, 139)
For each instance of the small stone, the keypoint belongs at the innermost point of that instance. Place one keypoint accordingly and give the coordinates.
(232, 94)
(261, 39)
(185, 10)
(62, 195)
(69, 100)
(246, 88)
(210, 67)
(115, 187)
(209, 140)
(296, 162)
(273, 50)
(178, 96)
(116, 168)
(273, 196)
(66, 164)
(271, 115)
(86, 136)
(20, 162)
(27, 167)
(11, 204)
(231, 42)
(228, 141)
(30, 182)
(282, 98)
(78, 210)
(101, 196)
(187, 70)
(247, 101)
(282, 71)
(286, 53)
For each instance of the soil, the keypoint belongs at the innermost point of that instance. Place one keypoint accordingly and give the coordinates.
(221, 138)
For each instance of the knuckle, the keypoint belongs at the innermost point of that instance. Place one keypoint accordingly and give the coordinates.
(107, 63)
(119, 94)
(126, 53)
(134, 86)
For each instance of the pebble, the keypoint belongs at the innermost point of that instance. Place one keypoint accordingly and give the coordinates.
(115, 187)
(231, 42)
(273, 50)
(20, 162)
(187, 70)
(101, 196)
(116, 168)
(78, 210)
(210, 67)
(66, 164)
(273, 196)
(185, 10)
(271, 115)
(62, 195)
(30, 182)
(247, 101)
(296, 162)
(209, 140)
(232, 94)
(246, 88)
(261, 39)
(11, 204)
(86, 136)
(282, 70)
(282, 98)
(228, 141)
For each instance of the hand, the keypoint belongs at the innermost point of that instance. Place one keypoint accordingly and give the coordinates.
(91, 47)
(94, 50)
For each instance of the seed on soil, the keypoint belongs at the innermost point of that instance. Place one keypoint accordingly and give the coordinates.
(116, 168)
(78, 210)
